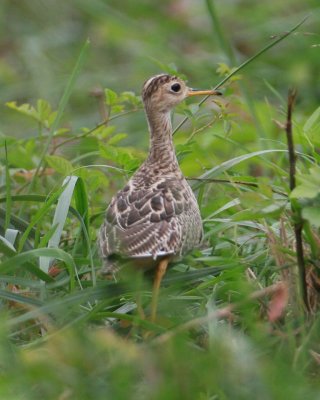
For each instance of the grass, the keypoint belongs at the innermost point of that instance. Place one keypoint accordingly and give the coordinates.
(232, 321)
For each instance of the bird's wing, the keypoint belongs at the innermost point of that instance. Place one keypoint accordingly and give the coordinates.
(144, 222)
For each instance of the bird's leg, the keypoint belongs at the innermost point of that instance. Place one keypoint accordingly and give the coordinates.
(160, 272)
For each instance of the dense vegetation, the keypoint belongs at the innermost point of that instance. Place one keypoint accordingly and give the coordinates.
(239, 317)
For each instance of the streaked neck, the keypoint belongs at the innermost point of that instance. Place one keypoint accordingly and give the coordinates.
(161, 143)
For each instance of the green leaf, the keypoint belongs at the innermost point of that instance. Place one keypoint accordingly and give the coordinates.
(111, 97)
(117, 109)
(60, 164)
(45, 113)
(309, 186)
(312, 121)
(223, 69)
(42, 114)
(117, 138)
(125, 159)
(104, 131)
(25, 109)
(312, 214)
(307, 190)
(108, 152)
(131, 98)
(61, 131)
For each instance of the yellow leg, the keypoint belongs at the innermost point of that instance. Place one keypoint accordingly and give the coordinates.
(160, 272)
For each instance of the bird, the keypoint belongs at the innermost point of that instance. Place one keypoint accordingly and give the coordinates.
(155, 217)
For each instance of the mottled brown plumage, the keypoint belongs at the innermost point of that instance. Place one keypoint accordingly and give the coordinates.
(156, 214)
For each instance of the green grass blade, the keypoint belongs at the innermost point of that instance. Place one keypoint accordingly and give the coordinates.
(17, 222)
(60, 216)
(39, 215)
(11, 296)
(43, 242)
(87, 241)
(8, 190)
(6, 246)
(275, 92)
(22, 258)
(231, 163)
(105, 292)
(7, 249)
(195, 274)
(226, 206)
(82, 204)
(25, 197)
(11, 235)
(74, 186)
(32, 283)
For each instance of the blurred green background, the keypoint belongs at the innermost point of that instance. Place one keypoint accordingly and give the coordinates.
(130, 41)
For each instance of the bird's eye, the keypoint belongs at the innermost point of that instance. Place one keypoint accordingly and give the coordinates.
(176, 87)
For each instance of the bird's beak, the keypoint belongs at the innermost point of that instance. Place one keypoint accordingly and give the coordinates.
(196, 92)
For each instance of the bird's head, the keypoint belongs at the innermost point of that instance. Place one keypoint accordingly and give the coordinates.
(163, 92)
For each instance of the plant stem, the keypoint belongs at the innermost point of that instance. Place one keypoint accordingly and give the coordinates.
(298, 222)
(8, 190)
(292, 155)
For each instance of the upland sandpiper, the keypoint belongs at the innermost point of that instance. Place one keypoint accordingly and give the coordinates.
(155, 217)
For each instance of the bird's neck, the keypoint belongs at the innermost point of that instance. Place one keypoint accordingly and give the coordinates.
(161, 149)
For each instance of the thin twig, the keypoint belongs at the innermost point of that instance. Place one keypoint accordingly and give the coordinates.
(297, 222)
(221, 313)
